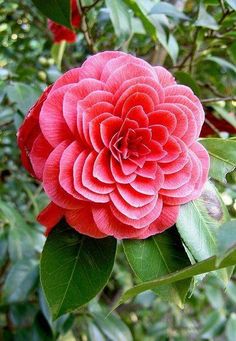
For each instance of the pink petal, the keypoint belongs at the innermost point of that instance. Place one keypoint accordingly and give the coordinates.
(180, 178)
(142, 80)
(51, 179)
(118, 174)
(73, 95)
(39, 154)
(159, 133)
(136, 93)
(131, 211)
(164, 118)
(50, 216)
(138, 114)
(133, 197)
(181, 118)
(148, 170)
(94, 131)
(70, 77)
(101, 168)
(67, 161)
(94, 65)
(126, 72)
(140, 223)
(165, 77)
(167, 218)
(148, 186)
(77, 176)
(108, 224)
(157, 151)
(108, 128)
(82, 221)
(89, 181)
(51, 120)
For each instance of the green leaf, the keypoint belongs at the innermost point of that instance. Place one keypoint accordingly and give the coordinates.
(224, 114)
(232, 3)
(223, 156)
(167, 255)
(140, 12)
(56, 10)
(173, 48)
(57, 52)
(169, 10)
(226, 238)
(120, 17)
(74, 268)
(205, 20)
(186, 79)
(23, 95)
(231, 327)
(23, 240)
(205, 266)
(20, 280)
(199, 221)
(222, 62)
(213, 324)
(113, 328)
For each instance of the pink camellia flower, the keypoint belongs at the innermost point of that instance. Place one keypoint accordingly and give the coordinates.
(114, 144)
(61, 32)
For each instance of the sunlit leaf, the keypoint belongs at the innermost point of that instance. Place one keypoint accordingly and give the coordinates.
(223, 156)
(157, 256)
(120, 17)
(205, 19)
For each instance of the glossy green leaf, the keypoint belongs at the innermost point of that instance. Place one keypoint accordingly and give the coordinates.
(140, 12)
(20, 281)
(74, 268)
(222, 62)
(223, 156)
(199, 221)
(23, 95)
(213, 325)
(169, 10)
(231, 327)
(112, 327)
(56, 10)
(232, 3)
(120, 17)
(23, 240)
(158, 256)
(57, 52)
(202, 267)
(205, 20)
(226, 238)
(186, 79)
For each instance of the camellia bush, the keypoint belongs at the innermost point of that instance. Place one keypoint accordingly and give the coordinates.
(123, 114)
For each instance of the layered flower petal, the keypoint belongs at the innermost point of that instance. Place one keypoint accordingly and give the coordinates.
(114, 143)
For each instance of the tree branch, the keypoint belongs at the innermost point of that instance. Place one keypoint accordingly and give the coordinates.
(87, 8)
(84, 27)
(218, 99)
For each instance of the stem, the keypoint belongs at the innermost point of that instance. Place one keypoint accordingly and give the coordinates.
(84, 27)
(87, 8)
(212, 126)
(218, 99)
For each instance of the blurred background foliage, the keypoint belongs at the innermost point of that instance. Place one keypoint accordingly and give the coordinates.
(196, 41)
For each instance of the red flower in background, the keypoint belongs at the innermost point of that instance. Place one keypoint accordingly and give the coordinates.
(219, 123)
(114, 144)
(63, 33)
